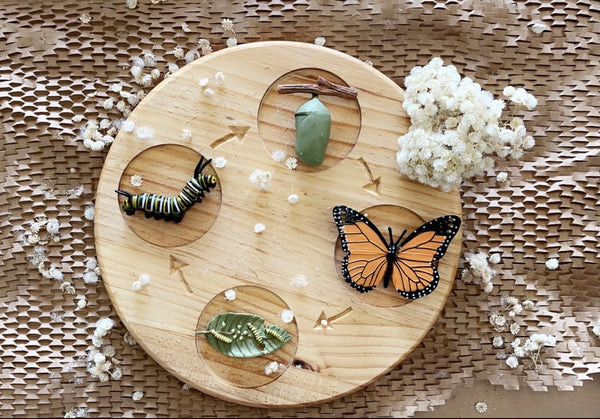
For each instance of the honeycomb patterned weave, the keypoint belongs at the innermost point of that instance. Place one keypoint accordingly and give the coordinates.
(58, 61)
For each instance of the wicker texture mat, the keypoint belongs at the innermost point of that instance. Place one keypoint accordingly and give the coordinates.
(56, 69)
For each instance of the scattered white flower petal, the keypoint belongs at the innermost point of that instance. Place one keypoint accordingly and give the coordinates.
(291, 163)
(231, 42)
(512, 361)
(287, 315)
(320, 40)
(136, 286)
(300, 281)
(186, 134)
(293, 199)
(495, 258)
(137, 396)
(481, 407)
(552, 263)
(131, 3)
(144, 132)
(203, 82)
(230, 295)
(497, 342)
(538, 27)
(501, 177)
(144, 279)
(136, 180)
(259, 228)
(209, 92)
(220, 162)
(261, 179)
(85, 18)
(81, 302)
(88, 213)
(219, 78)
(273, 367)
(278, 155)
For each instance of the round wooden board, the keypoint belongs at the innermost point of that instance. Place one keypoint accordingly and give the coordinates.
(294, 263)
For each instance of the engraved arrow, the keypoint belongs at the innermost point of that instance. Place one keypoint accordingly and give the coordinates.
(237, 131)
(325, 322)
(373, 185)
(175, 266)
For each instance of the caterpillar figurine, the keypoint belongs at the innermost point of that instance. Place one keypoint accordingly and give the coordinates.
(171, 208)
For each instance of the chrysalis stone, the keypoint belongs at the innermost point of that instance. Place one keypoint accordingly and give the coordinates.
(313, 126)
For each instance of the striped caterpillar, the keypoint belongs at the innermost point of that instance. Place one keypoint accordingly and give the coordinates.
(274, 333)
(255, 333)
(171, 208)
(220, 336)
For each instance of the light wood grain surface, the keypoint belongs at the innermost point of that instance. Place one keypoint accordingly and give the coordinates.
(215, 247)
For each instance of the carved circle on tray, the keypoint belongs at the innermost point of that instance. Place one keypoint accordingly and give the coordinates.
(399, 219)
(276, 122)
(164, 170)
(248, 372)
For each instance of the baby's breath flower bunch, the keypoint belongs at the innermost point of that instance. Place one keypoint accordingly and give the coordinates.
(456, 126)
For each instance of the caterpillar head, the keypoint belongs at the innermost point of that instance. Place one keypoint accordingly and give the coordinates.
(127, 205)
(211, 181)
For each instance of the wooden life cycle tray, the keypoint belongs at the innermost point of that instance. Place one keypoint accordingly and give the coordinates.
(295, 262)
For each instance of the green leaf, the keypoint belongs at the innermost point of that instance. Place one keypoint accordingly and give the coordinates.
(244, 335)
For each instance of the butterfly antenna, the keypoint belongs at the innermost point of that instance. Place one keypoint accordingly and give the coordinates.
(399, 238)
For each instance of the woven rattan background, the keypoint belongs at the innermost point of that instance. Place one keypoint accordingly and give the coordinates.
(51, 65)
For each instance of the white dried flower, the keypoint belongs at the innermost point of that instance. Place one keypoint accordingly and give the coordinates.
(203, 82)
(186, 134)
(497, 342)
(137, 395)
(191, 55)
(291, 163)
(230, 295)
(293, 199)
(128, 126)
(287, 315)
(259, 228)
(495, 258)
(178, 52)
(512, 361)
(501, 177)
(220, 162)
(144, 132)
(538, 27)
(90, 277)
(455, 127)
(227, 24)
(514, 329)
(85, 18)
(596, 328)
(219, 78)
(185, 27)
(320, 41)
(208, 92)
(81, 302)
(480, 407)
(231, 42)
(552, 263)
(273, 367)
(299, 281)
(136, 286)
(88, 213)
(261, 179)
(108, 104)
(278, 155)
(144, 279)
(131, 3)
(67, 287)
(136, 180)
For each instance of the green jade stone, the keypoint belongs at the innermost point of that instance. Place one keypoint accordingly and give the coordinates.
(313, 126)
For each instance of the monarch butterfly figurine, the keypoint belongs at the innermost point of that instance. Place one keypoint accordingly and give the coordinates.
(171, 208)
(408, 264)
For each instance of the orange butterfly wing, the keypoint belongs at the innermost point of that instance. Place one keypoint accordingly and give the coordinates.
(410, 266)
